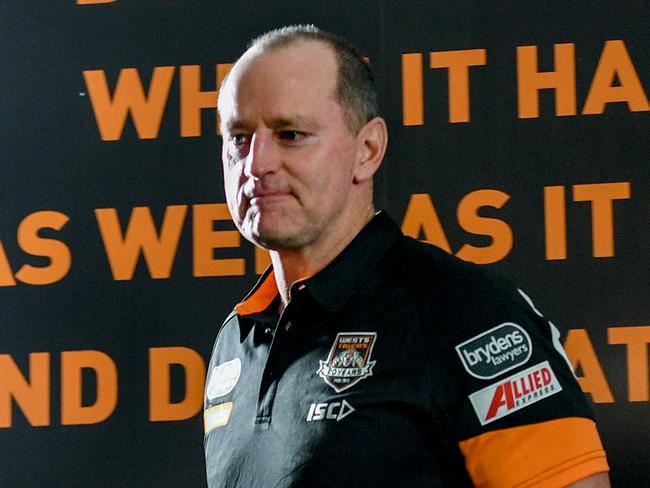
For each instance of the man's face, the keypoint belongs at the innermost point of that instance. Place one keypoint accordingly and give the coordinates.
(287, 153)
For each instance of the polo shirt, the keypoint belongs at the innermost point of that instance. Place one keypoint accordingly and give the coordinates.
(396, 365)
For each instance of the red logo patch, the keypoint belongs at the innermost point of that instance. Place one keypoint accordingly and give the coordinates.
(514, 393)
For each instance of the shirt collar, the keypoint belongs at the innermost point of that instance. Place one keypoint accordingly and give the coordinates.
(261, 296)
(260, 305)
(334, 285)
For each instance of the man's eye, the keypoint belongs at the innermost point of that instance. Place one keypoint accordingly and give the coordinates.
(238, 139)
(291, 135)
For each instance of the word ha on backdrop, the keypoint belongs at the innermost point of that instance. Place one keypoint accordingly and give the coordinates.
(615, 80)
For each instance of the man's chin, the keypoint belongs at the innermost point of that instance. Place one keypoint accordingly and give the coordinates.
(277, 240)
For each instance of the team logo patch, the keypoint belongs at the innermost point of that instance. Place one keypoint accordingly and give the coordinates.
(515, 392)
(495, 351)
(349, 360)
(223, 378)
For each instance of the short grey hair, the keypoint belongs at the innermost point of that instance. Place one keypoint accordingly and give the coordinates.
(356, 90)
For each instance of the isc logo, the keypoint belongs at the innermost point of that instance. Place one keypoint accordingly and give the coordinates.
(329, 411)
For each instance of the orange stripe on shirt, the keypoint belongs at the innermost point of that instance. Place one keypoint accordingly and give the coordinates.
(549, 454)
(261, 298)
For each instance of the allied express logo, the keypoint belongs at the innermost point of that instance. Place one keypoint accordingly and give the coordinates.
(515, 392)
(495, 351)
(349, 360)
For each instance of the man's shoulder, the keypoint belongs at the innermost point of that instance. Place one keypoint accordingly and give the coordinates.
(228, 331)
(427, 271)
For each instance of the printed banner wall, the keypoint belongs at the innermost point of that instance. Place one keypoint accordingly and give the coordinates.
(519, 140)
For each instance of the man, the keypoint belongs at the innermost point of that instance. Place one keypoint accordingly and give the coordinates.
(363, 357)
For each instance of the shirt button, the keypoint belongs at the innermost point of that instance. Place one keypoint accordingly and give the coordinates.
(287, 325)
(268, 331)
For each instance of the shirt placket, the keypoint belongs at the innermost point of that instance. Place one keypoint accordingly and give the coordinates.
(274, 368)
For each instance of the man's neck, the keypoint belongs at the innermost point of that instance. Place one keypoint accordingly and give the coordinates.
(291, 265)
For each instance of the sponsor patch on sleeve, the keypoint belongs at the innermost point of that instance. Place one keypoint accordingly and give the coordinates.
(495, 351)
(216, 416)
(223, 378)
(515, 392)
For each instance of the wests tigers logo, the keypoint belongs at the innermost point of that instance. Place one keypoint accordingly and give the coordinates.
(349, 360)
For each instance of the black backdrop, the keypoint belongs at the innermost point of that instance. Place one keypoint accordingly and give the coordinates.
(67, 160)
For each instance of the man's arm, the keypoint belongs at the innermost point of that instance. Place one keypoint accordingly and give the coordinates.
(600, 480)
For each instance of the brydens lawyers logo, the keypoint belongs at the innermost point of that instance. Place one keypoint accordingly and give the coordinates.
(495, 351)
(514, 393)
(349, 360)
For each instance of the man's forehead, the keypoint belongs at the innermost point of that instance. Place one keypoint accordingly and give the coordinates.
(298, 70)
(299, 49)
(275, 122)
(303, 59)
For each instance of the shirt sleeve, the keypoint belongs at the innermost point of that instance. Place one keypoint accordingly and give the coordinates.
(510, 396)
(547, 454)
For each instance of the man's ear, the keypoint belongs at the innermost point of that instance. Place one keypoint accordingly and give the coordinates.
(371, 147)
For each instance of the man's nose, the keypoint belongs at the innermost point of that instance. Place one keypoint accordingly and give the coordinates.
(262, 156)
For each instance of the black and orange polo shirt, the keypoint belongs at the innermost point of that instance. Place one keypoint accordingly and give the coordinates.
(397, 365)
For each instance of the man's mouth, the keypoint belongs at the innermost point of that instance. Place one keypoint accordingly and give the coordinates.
(261, 197)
